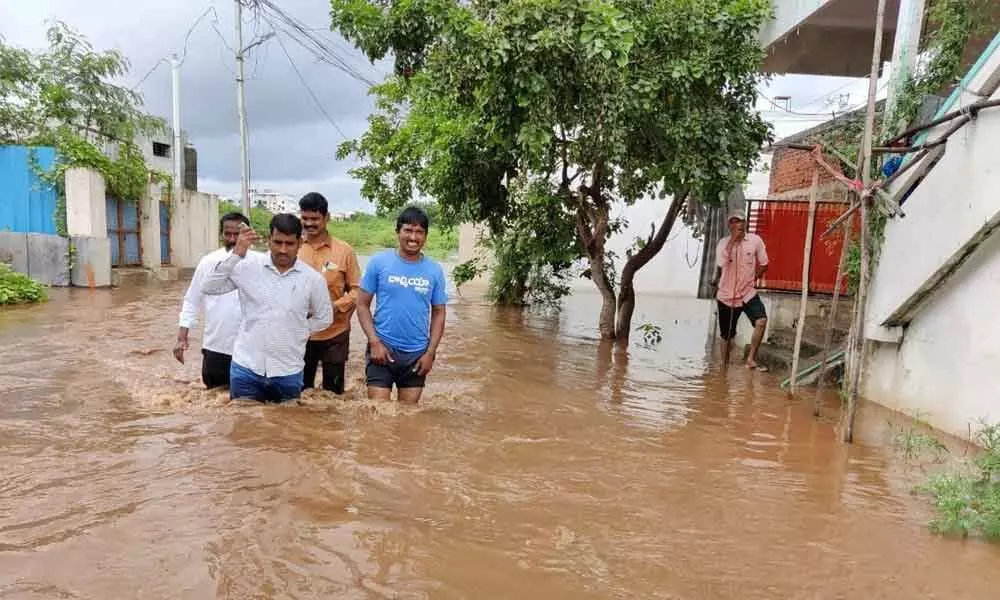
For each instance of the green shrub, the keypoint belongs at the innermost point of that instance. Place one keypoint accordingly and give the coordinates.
(967, 498)
(17, 288)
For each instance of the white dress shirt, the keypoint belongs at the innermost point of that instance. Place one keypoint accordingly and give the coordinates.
(280, 311)
(222, 313)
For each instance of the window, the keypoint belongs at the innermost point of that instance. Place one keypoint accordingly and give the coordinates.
(160, 149)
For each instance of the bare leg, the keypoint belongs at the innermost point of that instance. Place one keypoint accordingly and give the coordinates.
(379, 393)
(758, 336)
(410, 395)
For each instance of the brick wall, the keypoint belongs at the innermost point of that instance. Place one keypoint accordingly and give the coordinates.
(793, 170)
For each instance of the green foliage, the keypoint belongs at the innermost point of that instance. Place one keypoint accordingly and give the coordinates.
(364, 232)
(914, 440)
(533, 250)
(66, 97)
(967, 498)
(17, 288)
(260, 218)
(950, 25)
(371, 233)
(605, 102)
(652, 335)
(465, 272)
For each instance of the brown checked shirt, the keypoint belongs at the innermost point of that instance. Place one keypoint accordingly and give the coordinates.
(336, 262)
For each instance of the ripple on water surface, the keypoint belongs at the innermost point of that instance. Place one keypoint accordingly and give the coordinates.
(540, 464)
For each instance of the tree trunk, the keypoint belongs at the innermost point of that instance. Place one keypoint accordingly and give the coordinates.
(606, 324)
(626, 293)
(592, 227)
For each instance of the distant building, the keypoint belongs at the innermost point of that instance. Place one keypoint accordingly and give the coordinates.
(342, 216)
(274, 202)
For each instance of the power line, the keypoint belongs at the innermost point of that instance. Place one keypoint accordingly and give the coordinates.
(187, 39)
(305, 37)
(312, 94)
(148, 73)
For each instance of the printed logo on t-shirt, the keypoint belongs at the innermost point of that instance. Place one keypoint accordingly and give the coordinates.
(420, 284)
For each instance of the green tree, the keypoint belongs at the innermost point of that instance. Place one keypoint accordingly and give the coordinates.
(605, 101)
(67, 96)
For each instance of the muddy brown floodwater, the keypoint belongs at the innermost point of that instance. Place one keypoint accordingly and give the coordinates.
(541, 466)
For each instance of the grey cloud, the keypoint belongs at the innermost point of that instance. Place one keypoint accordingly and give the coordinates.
(292, 143)
(291, 139)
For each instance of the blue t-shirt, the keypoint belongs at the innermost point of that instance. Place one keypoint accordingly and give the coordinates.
(404, 293)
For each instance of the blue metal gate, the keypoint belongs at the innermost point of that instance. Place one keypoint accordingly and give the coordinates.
(123, 231)
(27, 204)
(164, 233)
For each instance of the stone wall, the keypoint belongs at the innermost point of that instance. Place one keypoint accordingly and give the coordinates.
(43, 257)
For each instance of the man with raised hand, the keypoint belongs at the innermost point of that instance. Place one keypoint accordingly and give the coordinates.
(284, 302)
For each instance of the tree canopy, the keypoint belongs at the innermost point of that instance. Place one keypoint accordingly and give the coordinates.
(69, 96)
(599, 102)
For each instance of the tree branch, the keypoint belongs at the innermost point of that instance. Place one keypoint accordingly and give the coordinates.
(657, 240)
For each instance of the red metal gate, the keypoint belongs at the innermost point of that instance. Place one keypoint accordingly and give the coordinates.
(782, 225)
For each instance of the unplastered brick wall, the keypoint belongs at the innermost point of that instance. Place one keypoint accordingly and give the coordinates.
(792, 170)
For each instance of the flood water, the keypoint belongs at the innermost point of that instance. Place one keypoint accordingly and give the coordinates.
(541, 465)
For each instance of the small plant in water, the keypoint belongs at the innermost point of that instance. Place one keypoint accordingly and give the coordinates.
(651, 334)
(914, 441)
(967, 498)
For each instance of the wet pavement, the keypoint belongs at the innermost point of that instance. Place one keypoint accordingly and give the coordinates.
(541, 465)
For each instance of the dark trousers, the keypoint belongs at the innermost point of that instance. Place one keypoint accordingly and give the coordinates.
(215, 368)
(333, 354)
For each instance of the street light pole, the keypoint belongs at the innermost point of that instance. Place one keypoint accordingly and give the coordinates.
(175, 71)
(241, 108)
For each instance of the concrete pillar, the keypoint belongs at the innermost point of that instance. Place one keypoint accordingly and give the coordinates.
(180, 226)
(86, 203)
(906, 46)
(149, 207)
(194, 223)
(91, 262)
(209, 232)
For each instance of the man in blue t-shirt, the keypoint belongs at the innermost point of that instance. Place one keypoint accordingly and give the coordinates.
(411, 292)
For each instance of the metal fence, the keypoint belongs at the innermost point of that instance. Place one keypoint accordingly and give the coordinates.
(782, 225)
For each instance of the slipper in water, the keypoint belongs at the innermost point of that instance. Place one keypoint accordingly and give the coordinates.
(760, 368)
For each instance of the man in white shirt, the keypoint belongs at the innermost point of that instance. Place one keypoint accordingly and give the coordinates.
(284, 302)
(222, 313)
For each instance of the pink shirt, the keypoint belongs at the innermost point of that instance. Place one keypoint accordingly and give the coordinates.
(739, 262)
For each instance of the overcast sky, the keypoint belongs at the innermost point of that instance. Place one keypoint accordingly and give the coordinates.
(292, 144)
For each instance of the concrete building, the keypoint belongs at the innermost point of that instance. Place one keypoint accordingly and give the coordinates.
(934, 346)
(152, 237)
(274, 202)
(825, 37)
(939, 264)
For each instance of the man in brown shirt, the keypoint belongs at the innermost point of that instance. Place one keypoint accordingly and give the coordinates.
(336, 261)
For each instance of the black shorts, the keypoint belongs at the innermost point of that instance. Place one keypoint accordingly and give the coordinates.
(215, 368)
(729, 315)
(399, 372)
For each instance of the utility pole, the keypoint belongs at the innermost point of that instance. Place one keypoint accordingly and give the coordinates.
(175, 71)
(855, 353)
(241, 108)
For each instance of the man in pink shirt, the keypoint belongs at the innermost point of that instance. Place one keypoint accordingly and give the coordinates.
(741, 259)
